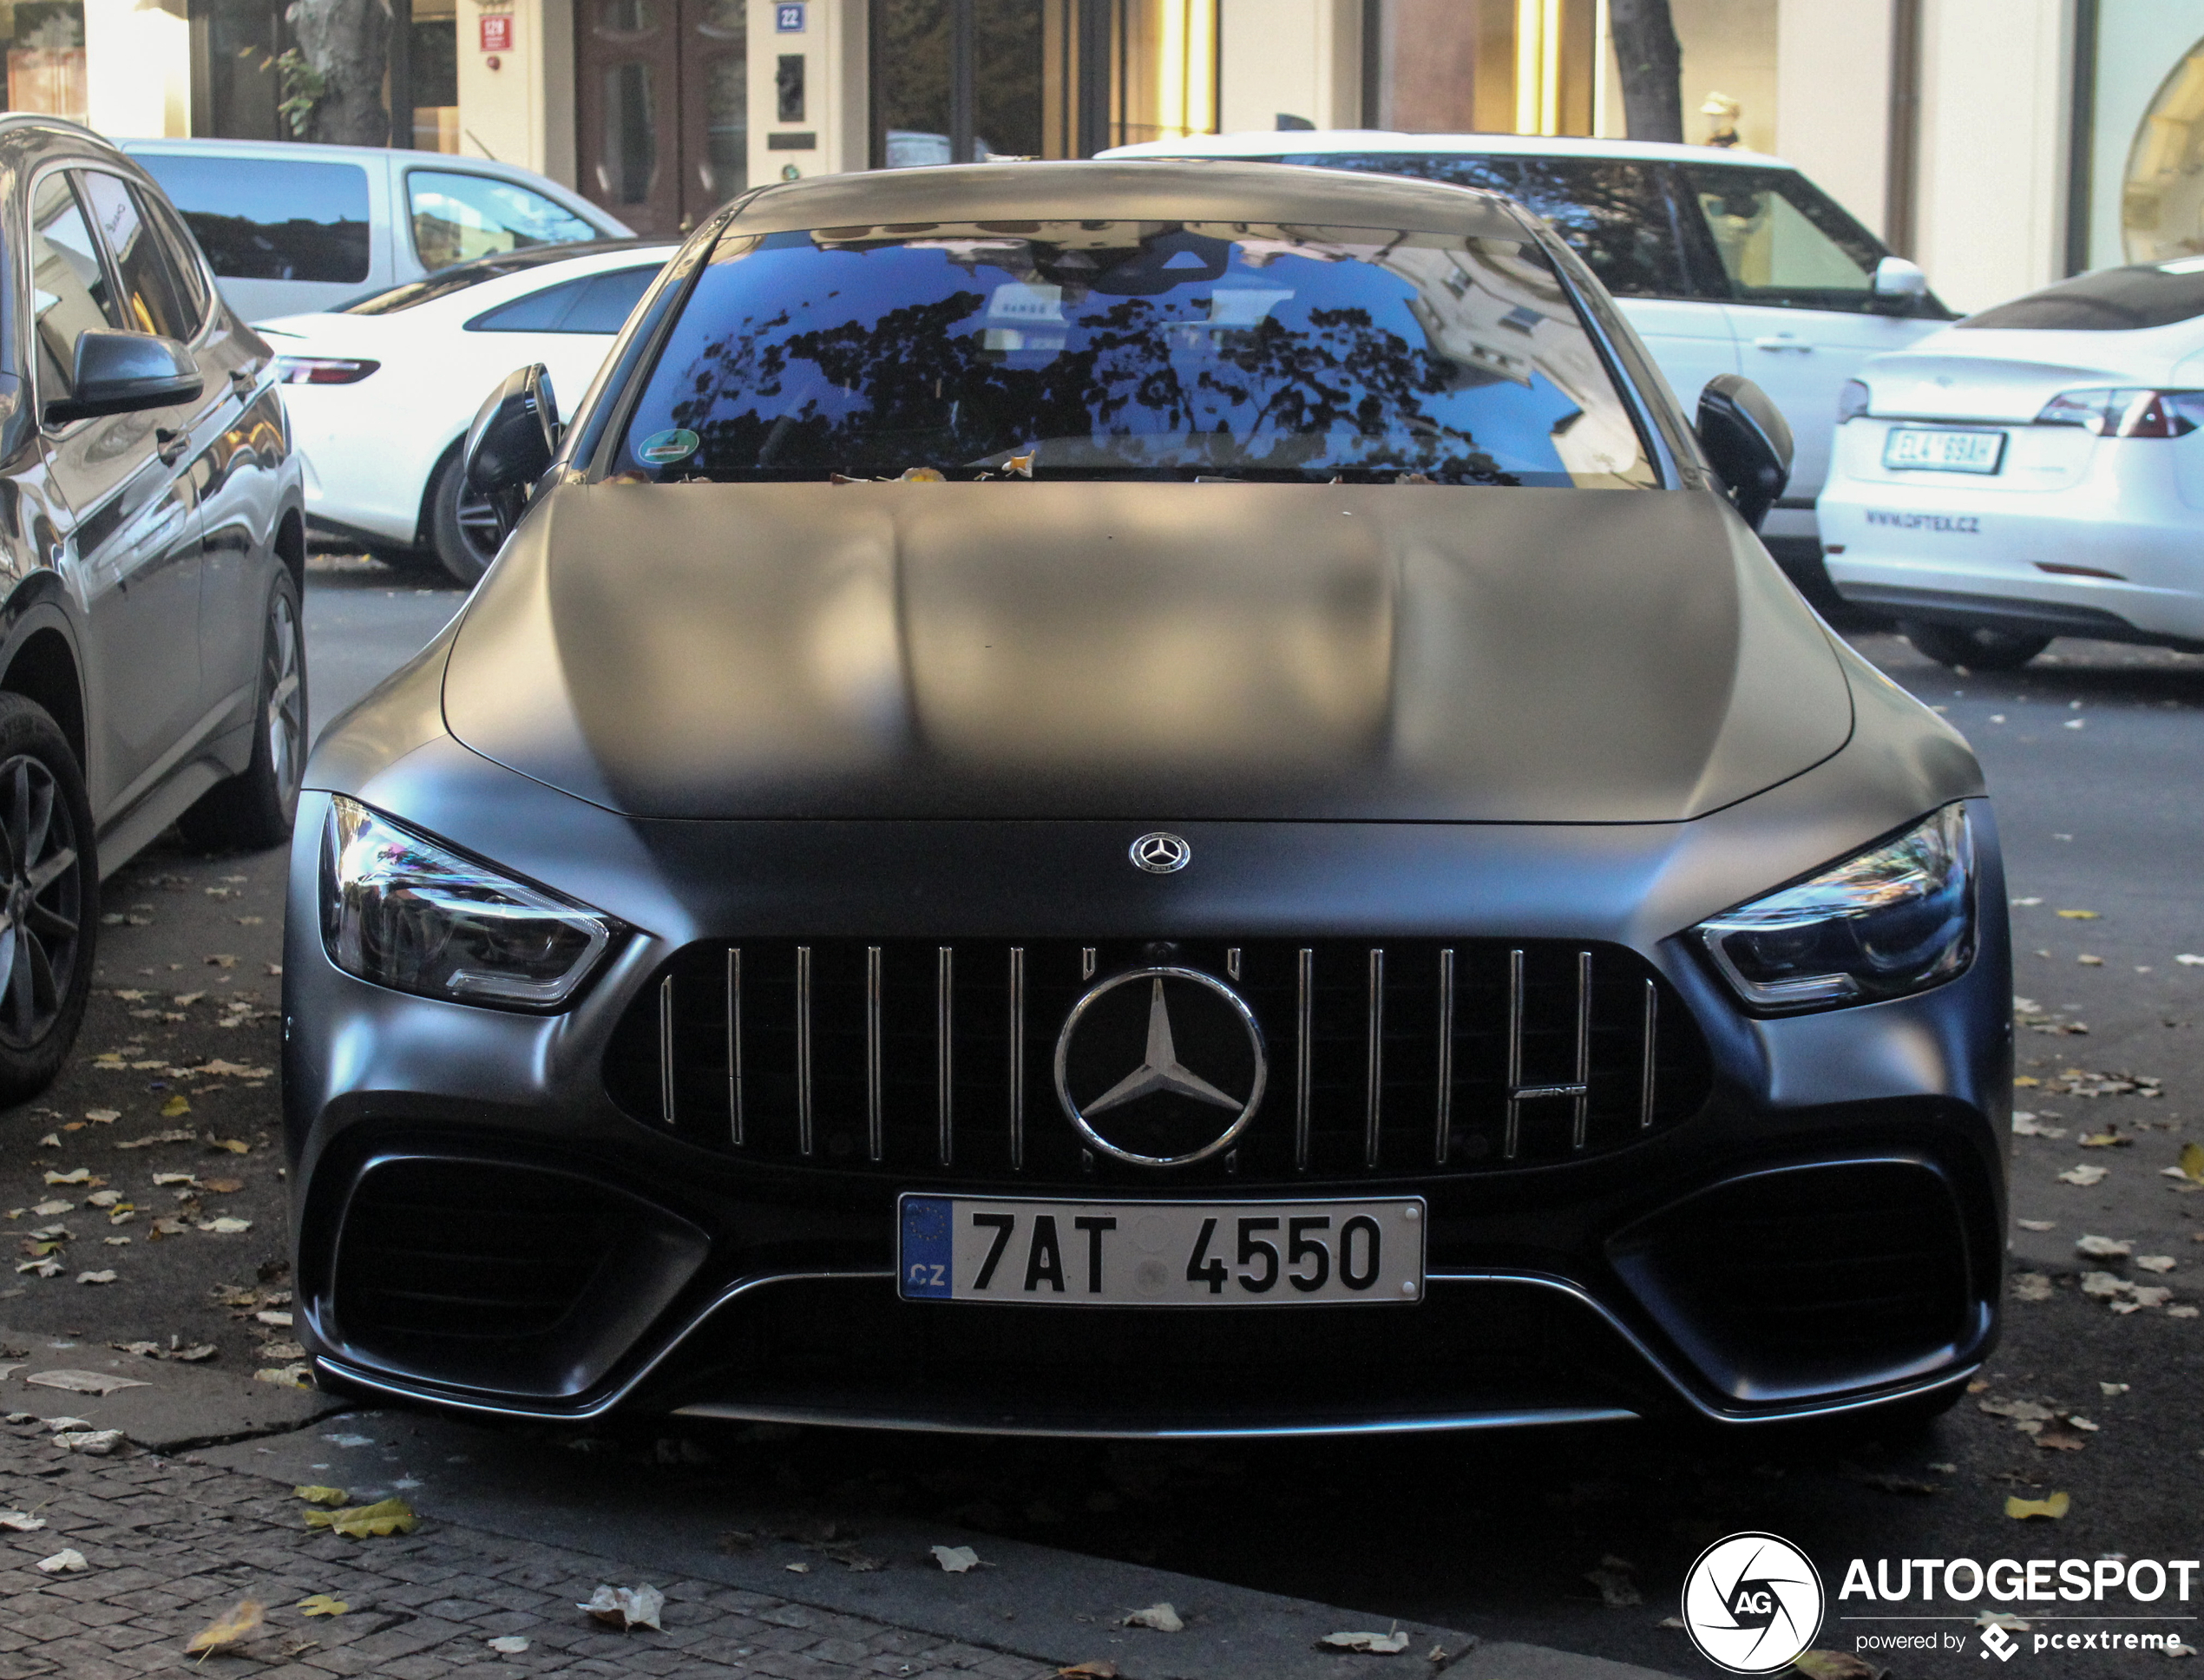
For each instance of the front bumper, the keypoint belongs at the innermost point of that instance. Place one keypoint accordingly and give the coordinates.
(1749, 1263)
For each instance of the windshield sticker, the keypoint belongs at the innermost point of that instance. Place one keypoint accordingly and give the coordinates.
(661, 448)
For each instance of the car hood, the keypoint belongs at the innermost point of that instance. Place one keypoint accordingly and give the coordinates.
(1145, 651)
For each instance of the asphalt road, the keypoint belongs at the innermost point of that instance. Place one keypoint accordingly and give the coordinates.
(2091, 754)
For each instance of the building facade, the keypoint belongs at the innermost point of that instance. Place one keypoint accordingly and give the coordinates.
(2003, 143)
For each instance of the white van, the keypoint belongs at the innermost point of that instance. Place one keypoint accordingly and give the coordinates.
(293, 228)
(1724, 261)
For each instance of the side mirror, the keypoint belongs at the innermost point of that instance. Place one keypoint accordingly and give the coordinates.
(1747, 441)
(123, 373)
(515, 435)
(1896, 278)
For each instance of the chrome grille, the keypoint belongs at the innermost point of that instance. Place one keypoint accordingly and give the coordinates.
(930, 1058)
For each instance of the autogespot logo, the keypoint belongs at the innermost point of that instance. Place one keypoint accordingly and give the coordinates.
(1752, 1603)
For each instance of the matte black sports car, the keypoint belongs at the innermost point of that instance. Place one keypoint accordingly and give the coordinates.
(1112, 798)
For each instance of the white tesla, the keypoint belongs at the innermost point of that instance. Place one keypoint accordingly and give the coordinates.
(2036, 470)
(380, 392)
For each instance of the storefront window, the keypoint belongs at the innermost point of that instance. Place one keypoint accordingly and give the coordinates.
(1524, 67)
(433, 65)
(45, 56)
(1164, 79)
(2162, 200)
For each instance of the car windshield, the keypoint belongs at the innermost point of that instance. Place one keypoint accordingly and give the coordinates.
(2110, 300)
(1140, 350)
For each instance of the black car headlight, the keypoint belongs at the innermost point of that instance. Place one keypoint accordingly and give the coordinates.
(400, 911)
(1895, 919)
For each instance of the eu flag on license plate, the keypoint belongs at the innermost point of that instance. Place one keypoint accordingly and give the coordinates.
(925, 1250)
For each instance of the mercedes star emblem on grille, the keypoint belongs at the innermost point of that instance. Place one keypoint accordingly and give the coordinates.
(1160, 853)
(1153, 1054)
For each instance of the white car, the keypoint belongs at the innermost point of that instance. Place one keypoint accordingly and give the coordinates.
(380, 393)
(1724, 261)
(2036, 470)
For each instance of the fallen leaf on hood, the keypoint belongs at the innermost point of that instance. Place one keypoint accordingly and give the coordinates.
(2082, 1175)
(21, 1522)
(318, 1495)
(2104, 1247)
(1162, 1618)
(83, 1383)
(360, 1522)
(81, 1175)
(627, 1607)
(1378, 1645)
(509, 1645)
(955, 1559)
(2054, 1507)
(233, 1627)
(320, 1604)
(67, 1561)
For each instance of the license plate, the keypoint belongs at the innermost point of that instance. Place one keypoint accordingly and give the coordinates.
(1159, 1254)
(1935, 450)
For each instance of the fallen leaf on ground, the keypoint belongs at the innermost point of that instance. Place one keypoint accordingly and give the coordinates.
(95, 1277)
(221, 1186)
(2054, 1507)
(2036, 1224)
(320, 1604)
(51, 1140)
(2024, 1411)
(1162, 1618)
(2082, 1175)
(955, 1559)
(96, 1443)
(1380, 1644)
(226, 1226)
(2031, 1286)
(2105, 1141)
(509, 1645)
(81, 1175)
(627, 1607)
(102, 1116)
(360, 1522)
(2088, 961)
(177, 1105)
(2076, 916)
(1088, 1671)
(233, 1146)
(233, 1070)
(181, 1135)
(2158, 1262)
(162, 1180)
(67, 1561)
(286, 1377)
(21, 1522)
(233, 1627)
(82, 1383)
(2057, 1438)
(1835, 1665)
(2027, 1126)
(2104, 1247)
(275, 1316)
(2192, 1164)
(318, 1495)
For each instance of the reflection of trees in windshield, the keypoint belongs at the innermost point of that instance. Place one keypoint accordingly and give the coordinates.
(910, 389)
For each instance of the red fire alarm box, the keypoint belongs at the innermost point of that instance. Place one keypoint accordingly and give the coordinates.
(497, 31)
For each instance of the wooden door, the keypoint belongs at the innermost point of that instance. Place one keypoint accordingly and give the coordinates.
(663, 108)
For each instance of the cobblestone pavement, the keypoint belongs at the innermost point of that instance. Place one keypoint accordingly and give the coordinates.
(168, 1545)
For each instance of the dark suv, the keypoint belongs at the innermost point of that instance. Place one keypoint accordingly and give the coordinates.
(152, 533)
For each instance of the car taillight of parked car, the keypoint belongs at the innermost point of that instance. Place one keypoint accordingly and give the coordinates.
(322, 369)
(2126, 411)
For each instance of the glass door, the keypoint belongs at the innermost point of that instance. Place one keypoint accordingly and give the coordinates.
(663, 109)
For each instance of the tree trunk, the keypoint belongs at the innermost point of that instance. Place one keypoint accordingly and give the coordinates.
(349, 43)
(1652, 67)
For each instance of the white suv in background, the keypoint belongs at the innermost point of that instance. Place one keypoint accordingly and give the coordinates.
(1724, 261)
(291, 227)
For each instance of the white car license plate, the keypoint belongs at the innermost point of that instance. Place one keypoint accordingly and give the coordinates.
(1159, 1254)
(1938, 451)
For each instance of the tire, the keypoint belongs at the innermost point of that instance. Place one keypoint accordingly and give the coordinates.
(254, 811)
(1975, 646)
(49, 898)
(461, 526)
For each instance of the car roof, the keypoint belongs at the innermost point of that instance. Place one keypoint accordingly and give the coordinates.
(894, 200)
(1296, 142)
(314, 151)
